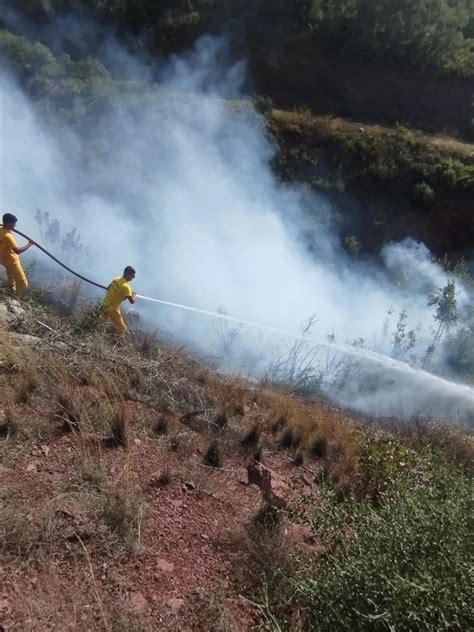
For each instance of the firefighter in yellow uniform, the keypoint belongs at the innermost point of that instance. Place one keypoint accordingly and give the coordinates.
(117, 292)
(10, 255)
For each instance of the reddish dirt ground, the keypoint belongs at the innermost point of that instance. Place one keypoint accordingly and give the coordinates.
(186, 548)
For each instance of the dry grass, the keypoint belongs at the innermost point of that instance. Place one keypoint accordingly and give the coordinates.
(208, 611)
(213, 456)
(314, 432)
(305, 119)
(77, 601)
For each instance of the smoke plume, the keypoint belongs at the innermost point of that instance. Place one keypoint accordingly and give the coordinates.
(175, 180)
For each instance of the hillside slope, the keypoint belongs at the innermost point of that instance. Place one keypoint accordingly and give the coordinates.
(126, 502)
(388, 182)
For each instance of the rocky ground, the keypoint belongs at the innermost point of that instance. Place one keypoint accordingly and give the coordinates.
(131, 502)
(140, 490)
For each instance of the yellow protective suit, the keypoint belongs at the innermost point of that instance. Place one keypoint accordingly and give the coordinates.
(11, 262)
(119, 290)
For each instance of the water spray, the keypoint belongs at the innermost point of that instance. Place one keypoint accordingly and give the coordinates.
(462, 391)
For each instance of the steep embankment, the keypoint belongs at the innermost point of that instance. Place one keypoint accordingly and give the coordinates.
(130, 479)
(389, 182)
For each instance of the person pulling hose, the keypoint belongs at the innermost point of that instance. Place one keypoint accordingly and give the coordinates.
(10, 255)
(119, 290)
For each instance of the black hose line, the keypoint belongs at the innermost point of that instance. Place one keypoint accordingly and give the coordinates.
(79, 276)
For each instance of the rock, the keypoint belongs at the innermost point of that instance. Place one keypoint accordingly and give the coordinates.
(11, 314)
(301, 534)
(258, 474)
(75, 521)
(16, 309)
(175, 603)
(274, 489)
(44, 449)
(165, 566)
(277, 495)
(4, 604)
(25, 339)
(31, 467)
(138, 603)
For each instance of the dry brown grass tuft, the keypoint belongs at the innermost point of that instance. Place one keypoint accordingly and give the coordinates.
(251, 440)
(230, 394)
(69, 411)
(208, 611)
(213, 456)
(27, 531)
(76, 600)
(314, 432)
(266, 559)
(118, 426)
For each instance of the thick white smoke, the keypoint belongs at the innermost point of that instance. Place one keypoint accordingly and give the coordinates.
(176, 180)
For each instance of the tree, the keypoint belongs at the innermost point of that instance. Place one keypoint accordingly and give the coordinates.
(423, 33)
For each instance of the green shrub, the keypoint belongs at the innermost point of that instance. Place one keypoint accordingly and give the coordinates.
(263, 104)
(403, 566)
(423, 194)
(353, 245)
(459, 348)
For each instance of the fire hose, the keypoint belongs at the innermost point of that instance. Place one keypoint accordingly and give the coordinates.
(63, 265)
(240, 321)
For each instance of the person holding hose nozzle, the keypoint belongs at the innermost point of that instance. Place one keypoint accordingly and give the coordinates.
(118, 291)
(10, 255)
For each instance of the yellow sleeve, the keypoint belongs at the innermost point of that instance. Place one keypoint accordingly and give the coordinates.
(127, 290)
(10, 242)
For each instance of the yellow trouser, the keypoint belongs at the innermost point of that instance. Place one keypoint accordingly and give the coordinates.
(16, 277)
(116, 318)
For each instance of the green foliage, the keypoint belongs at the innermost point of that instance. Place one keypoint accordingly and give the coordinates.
(447, 313)
(27, 58)
(459, 349)
(71, 87)
(263, 104)
(353, 245)
(424, 194)
(401, 566)
(403, 340)
(422, 33)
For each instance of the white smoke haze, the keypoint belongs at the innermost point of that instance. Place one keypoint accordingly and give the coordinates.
(177, 182)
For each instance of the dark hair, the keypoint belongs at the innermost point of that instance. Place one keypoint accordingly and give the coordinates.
(8, 218)
(129, 270)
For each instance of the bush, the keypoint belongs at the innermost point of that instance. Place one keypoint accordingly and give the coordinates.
(213, 458)
(405, 566)
(162, 427)
(252, 437)
(353, 245)
(119, 428)
(423, 194)
(263, 104)
(459, 349)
